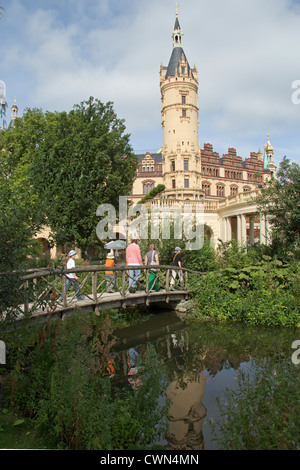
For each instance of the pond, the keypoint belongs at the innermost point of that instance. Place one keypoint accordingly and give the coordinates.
(200, 360)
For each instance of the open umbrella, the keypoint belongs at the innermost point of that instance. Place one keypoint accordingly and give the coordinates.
(116, 245)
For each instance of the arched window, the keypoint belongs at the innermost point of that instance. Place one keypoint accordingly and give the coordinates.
(220, 190)
(206, 188)
(233, 190)
(147, 186)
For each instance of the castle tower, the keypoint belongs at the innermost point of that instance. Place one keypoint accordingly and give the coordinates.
(270, 158)
(181, 156)
(14, 110)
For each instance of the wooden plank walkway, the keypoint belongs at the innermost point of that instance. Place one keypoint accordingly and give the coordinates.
(162, 299)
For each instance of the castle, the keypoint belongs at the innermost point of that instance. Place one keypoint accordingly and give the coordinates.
(190, 173)
(227, 184)
(186, 170)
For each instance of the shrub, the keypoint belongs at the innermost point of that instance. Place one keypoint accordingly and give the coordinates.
(266, 293)
(264, 412)
(61, 382)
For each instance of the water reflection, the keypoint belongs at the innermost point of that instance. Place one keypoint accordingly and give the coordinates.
(200, 362)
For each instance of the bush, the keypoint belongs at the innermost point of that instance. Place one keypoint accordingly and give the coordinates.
(265, 293)
(203, 260)
(264, 412)
(154, 192)
(60, 380)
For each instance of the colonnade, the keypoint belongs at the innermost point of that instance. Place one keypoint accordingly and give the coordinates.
(235, 227)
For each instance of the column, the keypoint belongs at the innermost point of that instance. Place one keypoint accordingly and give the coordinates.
(252, 230)
(262, 229)
(243, 229)
(223, 227)
(238, 229)
(228, 229)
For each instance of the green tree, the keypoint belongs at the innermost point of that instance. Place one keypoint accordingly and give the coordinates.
(19, 144)
(20, 211)
(280, 200)
(84, 160)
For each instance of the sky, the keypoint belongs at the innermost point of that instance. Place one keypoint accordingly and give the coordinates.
(58, 53)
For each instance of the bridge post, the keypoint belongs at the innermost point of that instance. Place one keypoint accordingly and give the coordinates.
(94, 291)
(167, 280)
(123, 282)
(186, 279)
(26, 305)
(64, 293)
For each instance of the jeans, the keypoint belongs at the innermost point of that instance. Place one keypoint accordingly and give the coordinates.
(134, 276)
(72, 282)
(110, 282)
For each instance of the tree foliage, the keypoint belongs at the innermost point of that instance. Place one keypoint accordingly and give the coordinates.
(280, 201)
(57, 168)
(20, 215)
(84, 160)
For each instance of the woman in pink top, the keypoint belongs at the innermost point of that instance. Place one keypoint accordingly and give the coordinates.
(133, 258)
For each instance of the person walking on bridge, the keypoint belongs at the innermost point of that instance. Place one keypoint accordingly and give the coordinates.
(71, 277)
(152, 259)
(133, 258)
(110, 277)
(176, 261)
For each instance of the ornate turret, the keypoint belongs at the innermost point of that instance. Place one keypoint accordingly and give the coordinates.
(14, 110)
(181, 149)
(268, 158)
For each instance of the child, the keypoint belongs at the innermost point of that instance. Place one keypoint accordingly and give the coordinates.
(110, 277)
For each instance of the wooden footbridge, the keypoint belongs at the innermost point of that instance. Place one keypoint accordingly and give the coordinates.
(44, 292)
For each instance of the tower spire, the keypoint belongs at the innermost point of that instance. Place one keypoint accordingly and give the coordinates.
(177, 31)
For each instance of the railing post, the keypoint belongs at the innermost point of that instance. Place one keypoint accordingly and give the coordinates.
(186, 279)
(147, 281)
(167, 280)
(123, 282)
(94, 291)
(26, 303)
(64, 293)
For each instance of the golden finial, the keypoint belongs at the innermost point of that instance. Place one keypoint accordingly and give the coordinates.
(177, 6)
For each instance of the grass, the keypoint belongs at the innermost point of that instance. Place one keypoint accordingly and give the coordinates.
(16, 432)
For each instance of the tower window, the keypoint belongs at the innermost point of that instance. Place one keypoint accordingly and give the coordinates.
(186, 165)
(173, 184)
(206, 188)
(183, 99)
(220, 190)
(172, 165)
(184, 113)
(186, 183)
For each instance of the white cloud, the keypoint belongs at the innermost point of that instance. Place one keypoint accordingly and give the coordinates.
(246, 53)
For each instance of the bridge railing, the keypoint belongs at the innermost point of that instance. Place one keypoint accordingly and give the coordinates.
(46, 289)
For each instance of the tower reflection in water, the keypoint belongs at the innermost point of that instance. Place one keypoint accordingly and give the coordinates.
(185, 394)
(182, 370)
